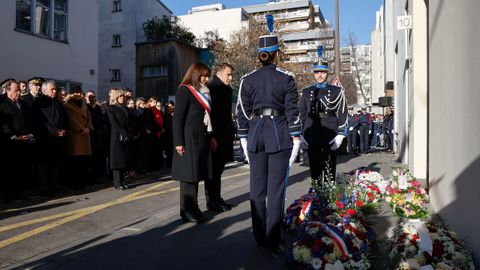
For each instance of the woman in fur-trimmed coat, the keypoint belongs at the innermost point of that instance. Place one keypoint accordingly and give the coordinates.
(78, 137)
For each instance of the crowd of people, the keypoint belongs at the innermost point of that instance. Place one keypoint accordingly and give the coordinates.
(51, 139)
(370, 131)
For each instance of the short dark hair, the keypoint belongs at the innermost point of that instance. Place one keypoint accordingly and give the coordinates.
(8, 85)
(24, 82)
(222, 66)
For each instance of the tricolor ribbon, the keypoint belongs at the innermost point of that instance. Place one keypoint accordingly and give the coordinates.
(337, 239)
(201, 98)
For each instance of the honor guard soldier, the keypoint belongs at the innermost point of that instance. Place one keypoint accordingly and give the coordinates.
(323, 110)
(365, 129)
(268, 127)
(352, 123)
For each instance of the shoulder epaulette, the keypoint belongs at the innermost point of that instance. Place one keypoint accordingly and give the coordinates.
(250, 73)
(286, 72)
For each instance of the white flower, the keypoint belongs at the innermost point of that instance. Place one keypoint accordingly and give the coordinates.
(338, 265)
(316, 263)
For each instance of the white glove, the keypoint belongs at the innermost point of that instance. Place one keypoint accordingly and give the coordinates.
(369, 132)
(378, 134)
(243, 142)
(336, 142)
(358, 132)
(393, 131)
(296, 147)
(351, 128)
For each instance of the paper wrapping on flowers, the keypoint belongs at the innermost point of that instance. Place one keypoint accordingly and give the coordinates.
(406, 195)
(410, 248)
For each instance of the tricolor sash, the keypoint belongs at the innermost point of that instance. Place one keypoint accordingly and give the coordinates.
(204, 100)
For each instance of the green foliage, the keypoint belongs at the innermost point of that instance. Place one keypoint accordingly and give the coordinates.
(165, 28)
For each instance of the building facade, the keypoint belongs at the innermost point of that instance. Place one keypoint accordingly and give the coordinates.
(356, 61)
(120, 28)
(52, 39)
(378, 59)
(302, 27)
(214, 18)
(437, 103)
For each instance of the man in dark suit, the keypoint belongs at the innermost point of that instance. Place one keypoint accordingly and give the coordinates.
(16, 140)
(50, 129)
(221, 95)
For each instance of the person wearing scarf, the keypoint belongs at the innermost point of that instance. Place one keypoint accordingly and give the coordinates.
(192, 129)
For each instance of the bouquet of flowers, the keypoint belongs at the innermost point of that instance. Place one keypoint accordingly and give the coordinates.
(406, 196)
(436, 246)
(299, 209)
(332, 242)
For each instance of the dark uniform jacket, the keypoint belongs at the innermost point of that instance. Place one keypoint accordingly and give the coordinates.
(352, 121)
(268, 88)
(119, 123)
(365, 120)
(221, 95)
(323, 110)
(29, 99)
(190, 132)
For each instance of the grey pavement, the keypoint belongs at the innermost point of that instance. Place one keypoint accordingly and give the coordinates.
(146, 233)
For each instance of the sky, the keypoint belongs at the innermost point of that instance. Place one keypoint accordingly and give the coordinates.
(356, 16)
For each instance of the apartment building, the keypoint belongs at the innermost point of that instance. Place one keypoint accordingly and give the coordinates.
(302, 27)
(120, 28)
(52, 39)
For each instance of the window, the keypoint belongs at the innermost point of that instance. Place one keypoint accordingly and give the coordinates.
(117, 41)
(60, 20)
(46, 18)
(42, 17)
(154, 71)
(24, 15)
(117, 5)
(116, 75)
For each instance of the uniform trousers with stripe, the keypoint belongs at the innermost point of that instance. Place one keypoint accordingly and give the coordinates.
(267, 194)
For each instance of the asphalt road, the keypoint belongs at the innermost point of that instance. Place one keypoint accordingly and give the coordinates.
(141, 229)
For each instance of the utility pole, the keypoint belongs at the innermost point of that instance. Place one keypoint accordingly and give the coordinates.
(337, 41)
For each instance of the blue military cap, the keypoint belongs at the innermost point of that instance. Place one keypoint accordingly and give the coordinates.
(268, 43)
(320, 66)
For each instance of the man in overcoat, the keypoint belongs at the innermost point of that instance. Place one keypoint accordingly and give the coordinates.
(221, 94)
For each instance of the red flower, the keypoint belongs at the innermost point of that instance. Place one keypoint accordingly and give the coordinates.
(339, 204)
(359, 203)
(351, 212)
(370, 195)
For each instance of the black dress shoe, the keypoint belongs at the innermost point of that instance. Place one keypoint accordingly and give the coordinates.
(198, 218)
(227, 206)
(125, 187)
(216, 207)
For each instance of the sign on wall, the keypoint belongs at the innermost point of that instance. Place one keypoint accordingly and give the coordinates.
(404, 22)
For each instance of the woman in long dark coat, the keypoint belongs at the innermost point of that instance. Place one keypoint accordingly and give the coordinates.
(191, 138)
(119, 138)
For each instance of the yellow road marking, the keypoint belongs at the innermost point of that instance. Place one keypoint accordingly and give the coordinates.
(77, 214)
(55, 216)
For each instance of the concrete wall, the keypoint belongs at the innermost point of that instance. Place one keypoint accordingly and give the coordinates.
(225, 21)
(25, 55)
(401, 78)
(417, 113)
(128, 24)
(454, 109)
